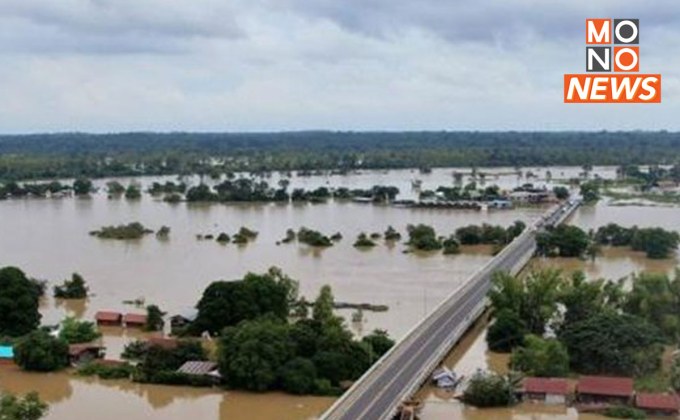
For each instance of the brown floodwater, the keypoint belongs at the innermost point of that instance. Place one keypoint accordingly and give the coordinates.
(48, 238)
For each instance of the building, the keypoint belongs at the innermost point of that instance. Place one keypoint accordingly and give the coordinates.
(445, 378)
(134, 320)
(658, 404)
(84, 353)
(6, 355)
(548, 390)
(604, 390)
(107, 318)
(201, 368)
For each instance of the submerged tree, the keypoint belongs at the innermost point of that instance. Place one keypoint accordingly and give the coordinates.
(72, 289)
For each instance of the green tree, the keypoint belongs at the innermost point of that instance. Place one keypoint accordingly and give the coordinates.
(39, 351)
(226, 303)
(541, 357)
(590, 191)
(132, 192)
(564, 240)
(614, 344)
(322, 311)
(487, 389)
(30, 407)
(675, 373)
(82, 186)
(581, 298)
(423, 238)
(562, 193)
(298, 376)
(379, 342)
(507, 332)
(72, 289)
(533, 297)
(154, 318)
(656, 298)
(115, 188)
(18, 303)
(252, 353)
(74, 332)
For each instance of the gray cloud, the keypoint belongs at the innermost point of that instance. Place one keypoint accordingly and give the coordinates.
(110, 65)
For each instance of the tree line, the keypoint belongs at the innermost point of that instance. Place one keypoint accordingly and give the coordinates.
(70, 155)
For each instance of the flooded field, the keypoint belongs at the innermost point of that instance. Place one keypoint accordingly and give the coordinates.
(49, 240)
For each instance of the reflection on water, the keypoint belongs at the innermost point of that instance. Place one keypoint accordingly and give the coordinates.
(74, 397)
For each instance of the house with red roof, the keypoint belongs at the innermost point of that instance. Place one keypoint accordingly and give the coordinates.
(548, 390)
(108, 318)
(604, 390)
(658, 404)
(134, 320)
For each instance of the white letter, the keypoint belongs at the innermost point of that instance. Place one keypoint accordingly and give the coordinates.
(603, 62)
(625, 85)
(648, 88)
(593, 35)
(596, 95)
(574, 83)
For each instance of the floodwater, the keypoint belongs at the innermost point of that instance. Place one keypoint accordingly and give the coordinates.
(472, 353)
(48, 238)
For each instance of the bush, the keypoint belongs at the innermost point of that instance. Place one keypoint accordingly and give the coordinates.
(423, 238)
(363, 241)
(40, 352)
(298, 376)
(118, 371)
(506, 333)
(451, 246)
(72, 289)
(623, 412)
(133, 230)
(541, 357)
(489, 390)
(76, 332)
(29, 407)
(313, 238)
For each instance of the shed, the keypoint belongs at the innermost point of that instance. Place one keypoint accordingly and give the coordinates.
(604, 389)
(108, 318)
(134, 320)
(658, 404)
(201, 368)
(83, 353)
(550, 390)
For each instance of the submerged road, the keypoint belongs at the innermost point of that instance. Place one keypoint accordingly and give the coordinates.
(401, 371)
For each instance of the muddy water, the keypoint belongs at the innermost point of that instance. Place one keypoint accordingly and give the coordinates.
(48, 239)
(614, 263)
(73, 397)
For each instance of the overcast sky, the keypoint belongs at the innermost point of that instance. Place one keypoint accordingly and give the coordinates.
(261, 65)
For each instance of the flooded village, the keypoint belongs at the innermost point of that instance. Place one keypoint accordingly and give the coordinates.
(124, 277)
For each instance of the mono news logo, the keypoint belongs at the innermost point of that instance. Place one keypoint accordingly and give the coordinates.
(612, 66)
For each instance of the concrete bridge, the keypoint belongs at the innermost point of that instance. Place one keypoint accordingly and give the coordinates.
(397, 375)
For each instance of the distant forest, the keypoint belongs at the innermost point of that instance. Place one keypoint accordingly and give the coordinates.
(98, 155)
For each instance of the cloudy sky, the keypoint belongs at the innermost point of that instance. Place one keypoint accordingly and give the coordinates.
(260, 65)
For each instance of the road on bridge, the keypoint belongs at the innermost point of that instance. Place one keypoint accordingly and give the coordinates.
(399, 373)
